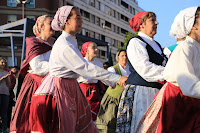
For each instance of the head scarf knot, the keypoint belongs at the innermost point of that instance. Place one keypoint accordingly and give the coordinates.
(183, 23)
(136, 21)
(84, 48)
(60, 18)
(38, 25)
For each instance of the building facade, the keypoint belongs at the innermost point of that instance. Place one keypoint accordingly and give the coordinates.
(104, 20)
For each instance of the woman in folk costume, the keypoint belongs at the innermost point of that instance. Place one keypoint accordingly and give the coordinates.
(147, 63)
(176, 107)
(89, 86)
(35, 67)
(59, 101)
(107, 116)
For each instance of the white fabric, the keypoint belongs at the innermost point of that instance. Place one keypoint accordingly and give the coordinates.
(66, 61)
(142, 100)
(89, 80)
(167, 52)
(39, 65)
(47, 86)
(183, 23)
(183, 68)
(139, 58)
(124, 71)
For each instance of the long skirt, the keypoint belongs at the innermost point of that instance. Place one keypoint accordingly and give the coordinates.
(134, 102)
(92, 94)
(20, 119)
(107, 116)
(65, 108)
(176, 114)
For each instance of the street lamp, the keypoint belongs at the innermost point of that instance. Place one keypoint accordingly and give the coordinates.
(23, 2)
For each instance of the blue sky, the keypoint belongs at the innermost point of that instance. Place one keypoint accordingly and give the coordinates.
(166, 10)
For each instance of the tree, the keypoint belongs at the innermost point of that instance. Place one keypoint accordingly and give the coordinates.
(127, 37)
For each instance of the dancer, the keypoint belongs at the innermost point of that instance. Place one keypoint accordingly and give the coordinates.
(176, 108)
(147, 63)
(35, 67)
(59, 101)
(107, 116)
(89, 86)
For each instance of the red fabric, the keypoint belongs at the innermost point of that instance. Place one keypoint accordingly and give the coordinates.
(34, 47)
(43, 114)
(74, 114)
(136, 21)
(84, 48)
(20, 118)
(92, 94)
(179, 113)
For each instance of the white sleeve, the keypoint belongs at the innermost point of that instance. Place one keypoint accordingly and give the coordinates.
(111, 69)
(185, 73)
(86, 69)
(139, 59)
(40, 64)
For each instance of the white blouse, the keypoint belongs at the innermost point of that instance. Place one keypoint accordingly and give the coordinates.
(66, 61)
(39, 65)
(124, 71)
(183, 67)
(89, 80)
(139, 58)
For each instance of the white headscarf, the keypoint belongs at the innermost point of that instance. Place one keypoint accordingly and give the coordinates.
(183, 23)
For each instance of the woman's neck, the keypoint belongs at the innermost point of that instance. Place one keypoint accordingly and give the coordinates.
(123, 65)
(89, 58)
(47, 39)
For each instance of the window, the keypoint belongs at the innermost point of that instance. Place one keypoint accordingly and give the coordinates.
(31, 4)
(107, 25)
(124, 5)
(117, 15)
(93, 19)
(108, 39)
(85, 14)
(92, 34)
(102, 7)
(130, 9)
(98, 36)
(124, 18)
(123, 31)
(114, 42)
(11, 3)
(92, 3)
(113, 28)
(103, 38)
(108, 10)
(98, 21)
(11, 18)
(97, 5)
(117, 29)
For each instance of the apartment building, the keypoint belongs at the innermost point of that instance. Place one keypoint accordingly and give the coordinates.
(103, 20)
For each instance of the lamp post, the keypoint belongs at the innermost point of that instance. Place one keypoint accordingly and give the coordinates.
(23, 2)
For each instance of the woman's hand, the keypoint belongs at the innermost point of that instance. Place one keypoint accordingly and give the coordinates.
(122, 81)
(4, 77)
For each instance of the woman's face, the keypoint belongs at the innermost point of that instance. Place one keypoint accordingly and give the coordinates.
(74, 24)
(197, 26)
(122, 58)
(92, 50)
(149, 27)
(46, 29)
(2, 64)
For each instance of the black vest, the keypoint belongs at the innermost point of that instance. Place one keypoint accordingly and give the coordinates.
(154, 57)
